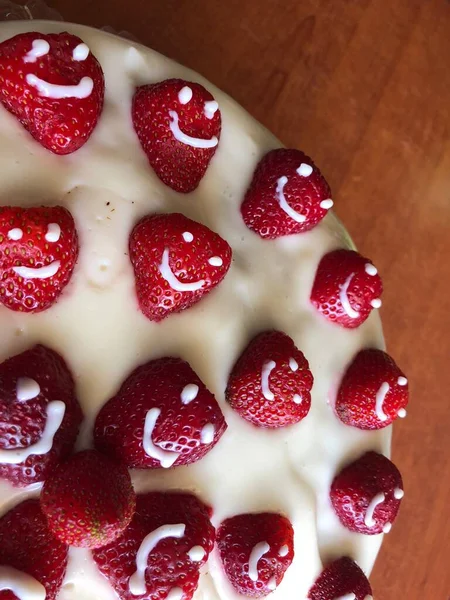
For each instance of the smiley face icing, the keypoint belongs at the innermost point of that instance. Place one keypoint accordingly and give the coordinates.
(52, 79)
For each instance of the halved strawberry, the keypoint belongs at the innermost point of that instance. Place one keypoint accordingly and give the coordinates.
(271, 382)
(29, 554)
(256, 550)
(159, 555)
(39, 415)
(38, 252)
(88, 500)
(346, 288)
(178, 124)
(54, 86)
(373, 391)
(287, 195)
(366, 494)
(341, 580)
(176, 262)
(162, 416)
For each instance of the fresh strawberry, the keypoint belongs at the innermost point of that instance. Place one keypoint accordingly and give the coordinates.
(346, 288)
(287, 195)
(160, 554)
(162, 416)
(60, 118)
(39, 415)
(88, 500)
(256, 550)
(341, 580)
(28, 550)
(176, 262)
(373, 391)
(178, 124)
(38, 252)
(366, 494)
(271, 382)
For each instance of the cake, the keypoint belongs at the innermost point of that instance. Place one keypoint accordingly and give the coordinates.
(191, 351)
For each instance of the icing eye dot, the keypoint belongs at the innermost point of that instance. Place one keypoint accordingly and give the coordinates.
(215, 261)
(187, 236)
(185, 95)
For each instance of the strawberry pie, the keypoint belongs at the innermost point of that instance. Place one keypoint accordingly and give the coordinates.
(195, 397)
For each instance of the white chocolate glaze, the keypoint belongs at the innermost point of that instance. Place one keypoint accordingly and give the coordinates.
(24, 586)
(83, 89)
(97, 326)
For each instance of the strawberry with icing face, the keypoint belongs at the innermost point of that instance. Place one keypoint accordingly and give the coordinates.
(341, 580)
(38, 252)
(160, 554)
(32, 562)
(176, 262)
(39, 415)
(346, 288)
(270, 385)
(287, 195)
(366, 494)
(373, 391)
(178, 124)
(54, 86)
(256, 550)
(162, 416)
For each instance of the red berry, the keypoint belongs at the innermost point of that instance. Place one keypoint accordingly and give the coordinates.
(88, 500)
(256, 550)
(373, 391)
(341, 580)
(29, 63)
(172, 536)
(287, 195)
(39, 415)
(346, 288)
(38, 252)
(162, 416)
(176, 262)
(366, 494)
(270, 384)
(178, 124)
(27, 548)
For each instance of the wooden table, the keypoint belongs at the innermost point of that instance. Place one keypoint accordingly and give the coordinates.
(364, 87)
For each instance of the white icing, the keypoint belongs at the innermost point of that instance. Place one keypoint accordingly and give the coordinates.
(297, 399)
(256, 554)
(370, 269)
(387, 527)
(353, 314)
(185, 95)
(55, 416)
(326, 204)
(402, 381)
(207, 433)
(272, 583)
(189, 393)
(53, 232)
(215, 261)
(187, 139)
(401, 413)
(173, 281)
(267, 369)
(80, 52)
(38, 48)
(165, 457)
(196, 553)
(379, 399)
(136, 582)
(187, 236)
(22, 585)
(281, 182)
(376, 303)
(27, 389)
(83, 89)
(304, 170)
(38, 272)
(293, 364)
(350, 596)
(283, 551)
(398, 493)
(175, 593)
(376, 500)
(15, 234)
(211, 107)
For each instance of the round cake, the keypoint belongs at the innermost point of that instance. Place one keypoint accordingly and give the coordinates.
(195, 397)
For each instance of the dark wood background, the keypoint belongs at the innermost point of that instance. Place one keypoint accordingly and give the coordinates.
(364, 87)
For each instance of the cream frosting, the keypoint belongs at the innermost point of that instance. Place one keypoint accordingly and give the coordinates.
(97, 326)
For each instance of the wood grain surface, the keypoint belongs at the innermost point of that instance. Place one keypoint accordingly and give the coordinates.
(364, 87)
